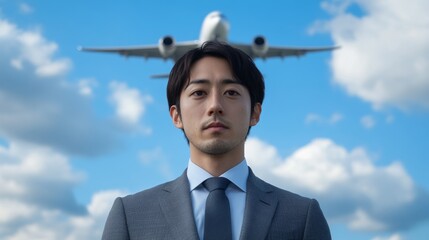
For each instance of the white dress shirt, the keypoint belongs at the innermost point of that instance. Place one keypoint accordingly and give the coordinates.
(236, 193)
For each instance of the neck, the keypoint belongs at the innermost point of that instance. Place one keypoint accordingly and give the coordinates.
(218, 164)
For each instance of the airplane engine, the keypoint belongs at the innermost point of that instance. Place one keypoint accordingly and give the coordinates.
(167, 46)
(259, 46)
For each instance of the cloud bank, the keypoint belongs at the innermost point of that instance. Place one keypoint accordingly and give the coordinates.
(37, 104)
(42, 118)
(37, 201)
(384, 56)
(350, 187)
(130, 104)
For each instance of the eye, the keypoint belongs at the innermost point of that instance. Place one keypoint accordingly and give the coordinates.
(198, 93)
(232, 93)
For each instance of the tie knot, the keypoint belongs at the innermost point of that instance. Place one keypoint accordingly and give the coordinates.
(214, 183)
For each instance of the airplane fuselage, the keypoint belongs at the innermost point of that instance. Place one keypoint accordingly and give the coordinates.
(215, 27)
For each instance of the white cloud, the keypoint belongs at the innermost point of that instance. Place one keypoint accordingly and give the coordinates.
(156, 157)
(149, 156)
(129, 102)
(91, 225)
(25, 8)
(53, 225)
(28, 50)
(36, 197)
(38, 177)
(390, 119)
(367, 121)
(335, 117)
(316, 118)
(33, 181)
(86, 86)
(383, 57)
(348, 183)
(43, 117)
(360, 219)
(13, 211)
(37, 104)
(313, 118)
(395, 236)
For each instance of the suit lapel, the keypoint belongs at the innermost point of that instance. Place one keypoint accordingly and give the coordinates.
(176, 206)
(260, 208)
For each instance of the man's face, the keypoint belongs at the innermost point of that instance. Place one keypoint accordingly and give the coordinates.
(215, 110)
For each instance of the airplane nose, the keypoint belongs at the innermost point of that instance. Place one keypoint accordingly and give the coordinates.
(221, 27)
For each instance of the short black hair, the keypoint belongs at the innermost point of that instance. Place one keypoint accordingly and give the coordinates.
(241, 64)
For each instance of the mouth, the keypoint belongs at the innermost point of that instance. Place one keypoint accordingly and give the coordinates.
(215, 126)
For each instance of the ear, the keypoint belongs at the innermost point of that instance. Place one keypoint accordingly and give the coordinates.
(254, 119)
(175, 116)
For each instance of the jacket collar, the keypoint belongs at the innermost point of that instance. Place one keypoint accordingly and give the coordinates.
(261, 205)
(176, 206)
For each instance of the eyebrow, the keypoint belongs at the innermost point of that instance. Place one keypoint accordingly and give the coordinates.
(206, 81)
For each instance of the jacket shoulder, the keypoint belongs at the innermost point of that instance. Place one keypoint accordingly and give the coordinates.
(304, 217)
(147, 197)
(281, 194)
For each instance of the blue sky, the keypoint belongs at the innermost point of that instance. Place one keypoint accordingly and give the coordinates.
(348, 128)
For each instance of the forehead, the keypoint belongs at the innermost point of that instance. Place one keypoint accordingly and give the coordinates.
(210, 67)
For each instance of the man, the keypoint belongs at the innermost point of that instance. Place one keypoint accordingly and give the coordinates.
(215, 95)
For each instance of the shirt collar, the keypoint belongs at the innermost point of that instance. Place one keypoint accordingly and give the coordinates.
(237, 175)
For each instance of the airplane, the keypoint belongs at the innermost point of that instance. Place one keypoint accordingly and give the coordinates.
(215, 27)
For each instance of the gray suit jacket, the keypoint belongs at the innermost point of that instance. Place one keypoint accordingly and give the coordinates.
(165, 212)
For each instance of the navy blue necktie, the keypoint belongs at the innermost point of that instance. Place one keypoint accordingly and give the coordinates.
(217, 215)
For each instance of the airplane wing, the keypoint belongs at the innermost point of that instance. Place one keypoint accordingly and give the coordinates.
(148, 51)
(281, 52)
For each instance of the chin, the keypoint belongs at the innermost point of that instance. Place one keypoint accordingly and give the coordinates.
(214, 147)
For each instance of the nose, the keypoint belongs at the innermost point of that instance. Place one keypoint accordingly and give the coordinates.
(215, 105)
